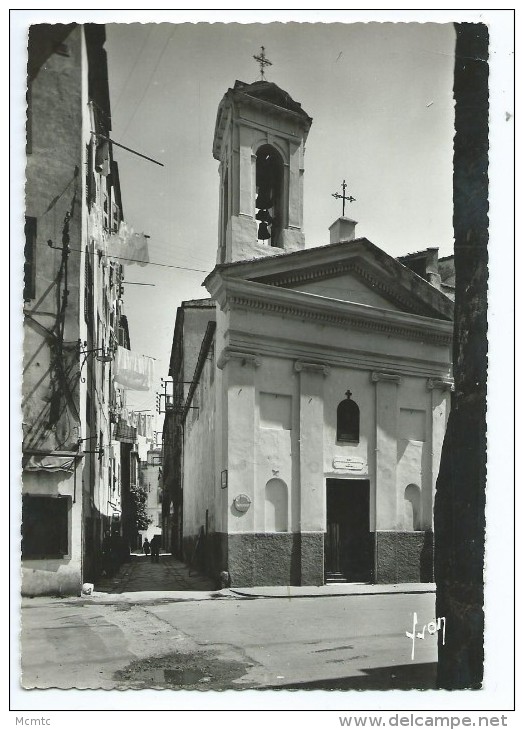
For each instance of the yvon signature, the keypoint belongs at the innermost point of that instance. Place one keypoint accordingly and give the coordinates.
(439, 624)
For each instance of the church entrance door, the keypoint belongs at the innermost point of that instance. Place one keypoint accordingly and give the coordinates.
(348, 548)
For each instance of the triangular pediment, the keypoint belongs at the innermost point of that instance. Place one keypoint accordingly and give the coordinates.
(353, 271)
(346, 287)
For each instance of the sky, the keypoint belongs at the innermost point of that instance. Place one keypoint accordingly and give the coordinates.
(380, 95)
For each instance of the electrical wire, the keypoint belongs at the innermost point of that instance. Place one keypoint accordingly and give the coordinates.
(148, 84)
(137, 58)
(140, 261)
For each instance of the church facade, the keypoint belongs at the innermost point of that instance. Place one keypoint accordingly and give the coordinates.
(311, 392)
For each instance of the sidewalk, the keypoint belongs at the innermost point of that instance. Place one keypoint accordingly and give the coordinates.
(334, 589)
(170, 580)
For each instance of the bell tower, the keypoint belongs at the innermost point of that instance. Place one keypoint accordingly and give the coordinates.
(259, 141)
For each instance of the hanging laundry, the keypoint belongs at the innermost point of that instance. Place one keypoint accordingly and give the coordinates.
(96, 228)
(50, 463)
(140, 424)
(150, 436)
(102, 161)
(133, 371)
(128, 245)
(124, 433)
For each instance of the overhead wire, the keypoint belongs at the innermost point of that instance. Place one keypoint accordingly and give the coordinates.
(137, 107)
(137, 58)
(140, 261)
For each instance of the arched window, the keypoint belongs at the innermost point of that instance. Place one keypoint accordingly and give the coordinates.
(348, 421)
(269, 179)
(412, 507)
(275, 509)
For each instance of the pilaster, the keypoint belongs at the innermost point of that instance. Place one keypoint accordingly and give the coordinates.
(246, 192)
(386, 403)
(312, 493)
(240, 377)
(439, 392)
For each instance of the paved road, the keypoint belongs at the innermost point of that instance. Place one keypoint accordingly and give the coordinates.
(338, 642)
(141, 574)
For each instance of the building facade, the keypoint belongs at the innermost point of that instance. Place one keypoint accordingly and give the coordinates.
(72, 474)
(313, 387)
(150, 479)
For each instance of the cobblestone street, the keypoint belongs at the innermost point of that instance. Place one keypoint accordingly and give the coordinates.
(141, 574)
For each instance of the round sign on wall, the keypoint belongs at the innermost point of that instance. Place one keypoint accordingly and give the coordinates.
(242, 502)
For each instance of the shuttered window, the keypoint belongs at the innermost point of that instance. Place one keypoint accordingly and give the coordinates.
(30, 259)
(45, 531)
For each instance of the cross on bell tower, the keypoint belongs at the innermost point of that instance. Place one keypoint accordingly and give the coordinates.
(262, 61)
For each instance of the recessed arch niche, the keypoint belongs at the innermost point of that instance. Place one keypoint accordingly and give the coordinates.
(412, 516)
(276, 506)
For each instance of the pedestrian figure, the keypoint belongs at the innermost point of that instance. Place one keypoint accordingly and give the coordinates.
(155, 548)
(145, 547)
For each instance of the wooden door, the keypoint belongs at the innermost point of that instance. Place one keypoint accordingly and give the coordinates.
(348, 553)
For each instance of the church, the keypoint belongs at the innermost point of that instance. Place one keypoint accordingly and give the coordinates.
(311, 390)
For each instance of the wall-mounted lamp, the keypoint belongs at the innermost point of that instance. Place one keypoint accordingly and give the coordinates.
(99, 451)
(102, 354)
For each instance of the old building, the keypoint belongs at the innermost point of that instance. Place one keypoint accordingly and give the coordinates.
(72, 470)
(150, 478)
(311, 392)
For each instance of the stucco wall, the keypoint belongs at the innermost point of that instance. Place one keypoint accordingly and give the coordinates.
(54, 172)
(276, 443)
(54, 197)
(57, 576)
(199, 475)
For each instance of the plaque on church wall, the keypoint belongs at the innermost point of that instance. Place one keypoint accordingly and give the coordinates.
(242, 502)
(349, 463)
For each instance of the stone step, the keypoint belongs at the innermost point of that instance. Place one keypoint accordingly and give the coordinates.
(335, 578)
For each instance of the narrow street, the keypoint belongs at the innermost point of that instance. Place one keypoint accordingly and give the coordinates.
(142, 574)
(157, 626)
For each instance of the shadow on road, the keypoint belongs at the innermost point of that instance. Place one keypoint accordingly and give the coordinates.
(140, 573)
(403, 676)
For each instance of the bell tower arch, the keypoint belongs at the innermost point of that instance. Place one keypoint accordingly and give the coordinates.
(259, 141)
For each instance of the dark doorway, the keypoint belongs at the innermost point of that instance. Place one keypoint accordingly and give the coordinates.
(348, 548)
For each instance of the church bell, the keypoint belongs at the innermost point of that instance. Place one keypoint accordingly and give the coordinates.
(264, 198)
(263, 233)
(264, 215)
(265, 219)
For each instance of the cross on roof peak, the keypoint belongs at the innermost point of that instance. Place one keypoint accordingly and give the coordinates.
(344, 197)
(262, 61)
